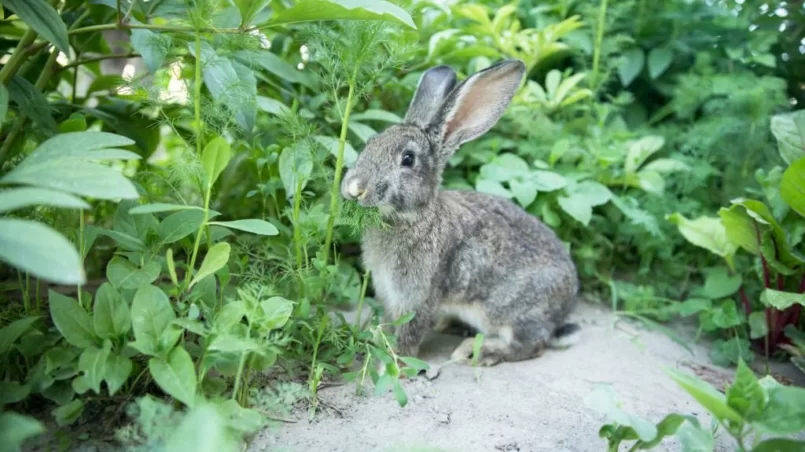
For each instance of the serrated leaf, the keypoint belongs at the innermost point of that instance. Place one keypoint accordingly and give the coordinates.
(175, 375)
(72, 321)
(216, 258)
(39, 250)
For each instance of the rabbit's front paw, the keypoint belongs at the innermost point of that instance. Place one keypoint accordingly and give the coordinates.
(490, 350)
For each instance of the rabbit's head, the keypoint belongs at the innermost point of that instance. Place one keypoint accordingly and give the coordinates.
(400, 169)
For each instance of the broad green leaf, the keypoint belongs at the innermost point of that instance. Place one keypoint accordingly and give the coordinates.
(705, 232)
(726, 315)
(547, 180)
(640, 150)
(125, 241)
(17, 198)
(3, 104)
(74, 176)
(362, 131)
(32, 103)
(203, 429)
(277, 311)
(163, 207)
(399, 394)
(295, 164)
(331, 144)
(175, 375)
(781, 300)
(72, 321)
(377, 115)
(39, 250)
(230, 343)
(745, 395)
(666, 166)
(61, 392)
(75, 123)
(712, 400)
(694, 438)
(504, 168)
(492, 188)
(789, 129)
(631, 64)
(118, 369)
(650, 181)
(694, 306)
(659, 58)
(314, 10)
(153, 47)
(216, 258)
(260, 227)
(667, 427)
(231, 314)
(93, 365)
(249, 8)
(792, 186)
(752, 226)
(577, 208)
(67, 414)
(273, 106)
(230, 83)
(125, 275)
(727, 353)
(13, 331)
(779, 445)
(758, 327)
(43, 19)
(81, 146)
(179, 225)
(524, 192)
(15, 429)
(720, 283)
(151, 313)
(111, 316)
(215, 157)
(265, 59)
(784, 413)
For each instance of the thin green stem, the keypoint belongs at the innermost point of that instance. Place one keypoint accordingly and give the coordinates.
(17, 58)
(80, 249)
(199, 138)
(599, 41)
(358, 323)
(241, 364)
(297, 231)
(154, 27)
(75, 64)
(339, 165)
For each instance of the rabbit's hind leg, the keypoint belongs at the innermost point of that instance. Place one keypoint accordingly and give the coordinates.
(496, 349)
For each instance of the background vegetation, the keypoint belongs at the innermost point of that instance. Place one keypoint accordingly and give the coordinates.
(176, 230)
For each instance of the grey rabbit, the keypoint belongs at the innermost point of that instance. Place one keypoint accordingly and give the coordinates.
(459, 255)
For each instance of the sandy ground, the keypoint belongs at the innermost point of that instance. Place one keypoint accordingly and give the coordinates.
(535, 405)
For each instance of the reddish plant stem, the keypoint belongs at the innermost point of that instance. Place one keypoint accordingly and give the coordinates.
(745, 301)
(802, 284)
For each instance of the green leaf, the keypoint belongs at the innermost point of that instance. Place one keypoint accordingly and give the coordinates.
(203, 429)
(164, 207)
(694, 438)
(43, 19)
(118, 369)
(780, 445)
(13, 331)
(67, 414)
(417, 364)
(714, 401)
(71, 320)
(273, 106)
(745, 395)
(81, 146)
(93, 364)
(18, 198)
(231, 314)
(726, 315)
(331, 144)
(171, 266)
(274, 64)
(377, 115)
(720, 284)
(403, 319)
(781, 300)
(789, 129)
(151, 313)
(631, 65)
(153, 47)
(3, 104)
(111, 316)
(504, 168)
(124, 240)
(230, 83)
(216, 258)
(705, 232)
(295, 164)
(694, 306)
(15, 429)
(640, 150)
(758, 327)
(784, 413)
(603, 400)
(249, 8)
(277, 311)
(582, 198)
(524, 192)
(125, 275)
(39, 250)
(75, 176)
(726, 353)
(792, 186)
(667, 427)
(547, 180)
(492, 188)
(362, 131)
(659, 58)
(32, 103)
(176, 375)
(314, 10)
(399, 394)
(215, 157)
(179, 225)
(230, 343)
(260, 227)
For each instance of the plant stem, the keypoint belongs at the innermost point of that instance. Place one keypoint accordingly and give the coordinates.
(239, 376)
(297, 231)
(99, 58)
(17, 58)
(80, 249)
(599, 41)
(168, 28)
(358, 322)
(199, 138)
(339, 164)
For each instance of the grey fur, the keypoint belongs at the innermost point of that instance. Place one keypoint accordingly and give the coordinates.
(461, 254)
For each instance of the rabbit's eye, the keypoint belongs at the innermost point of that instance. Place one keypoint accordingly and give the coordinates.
(407, 159)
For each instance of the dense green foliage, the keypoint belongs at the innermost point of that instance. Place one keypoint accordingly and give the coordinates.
(180, 232)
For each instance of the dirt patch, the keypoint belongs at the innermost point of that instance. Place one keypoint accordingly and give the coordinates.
(535, 405)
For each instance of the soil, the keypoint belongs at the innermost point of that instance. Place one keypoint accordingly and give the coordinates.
(535, 405)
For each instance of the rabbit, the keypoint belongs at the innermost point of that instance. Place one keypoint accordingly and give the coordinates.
(460, 255)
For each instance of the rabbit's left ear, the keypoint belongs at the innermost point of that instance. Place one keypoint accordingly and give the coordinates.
(475, 105)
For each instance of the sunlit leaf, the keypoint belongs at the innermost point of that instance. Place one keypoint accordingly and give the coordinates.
(314, 10)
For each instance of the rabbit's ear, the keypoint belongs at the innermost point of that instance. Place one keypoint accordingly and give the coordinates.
(475, 105)
(434, 86)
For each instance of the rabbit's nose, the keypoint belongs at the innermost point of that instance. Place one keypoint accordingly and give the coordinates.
(355, 190)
